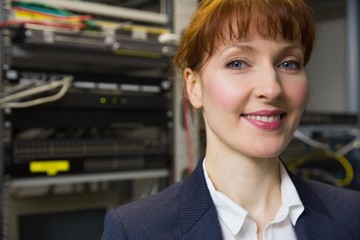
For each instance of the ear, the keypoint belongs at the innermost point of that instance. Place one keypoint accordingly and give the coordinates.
(193, 87)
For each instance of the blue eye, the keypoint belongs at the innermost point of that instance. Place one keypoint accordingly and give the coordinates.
(236, 64)
(290, 65)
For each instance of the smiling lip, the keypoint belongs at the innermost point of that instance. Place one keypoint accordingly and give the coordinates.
(265, 119)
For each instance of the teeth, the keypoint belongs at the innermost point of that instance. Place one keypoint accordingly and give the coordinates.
(264, 118)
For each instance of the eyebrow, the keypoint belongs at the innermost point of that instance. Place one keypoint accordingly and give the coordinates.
(292, 47)
(250, 49)
(244, 48)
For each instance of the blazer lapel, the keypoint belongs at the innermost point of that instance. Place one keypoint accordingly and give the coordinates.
(198, 214)
(315, 223)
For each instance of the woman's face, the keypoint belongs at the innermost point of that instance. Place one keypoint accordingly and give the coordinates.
(252, 94)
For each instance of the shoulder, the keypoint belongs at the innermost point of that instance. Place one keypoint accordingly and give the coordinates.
(343, 205)
(147, 217)
(340, 198)
(154, 205)
(330, 195)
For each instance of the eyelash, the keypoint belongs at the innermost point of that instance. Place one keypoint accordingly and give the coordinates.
(236, 60)
(297, 64)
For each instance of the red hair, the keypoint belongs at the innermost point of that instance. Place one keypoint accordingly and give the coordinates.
(219, 21)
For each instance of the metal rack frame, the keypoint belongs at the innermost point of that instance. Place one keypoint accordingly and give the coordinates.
(93, 8)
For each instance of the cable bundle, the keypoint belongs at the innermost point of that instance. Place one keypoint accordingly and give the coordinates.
(324, 153)
(14, 97)
(44, 14)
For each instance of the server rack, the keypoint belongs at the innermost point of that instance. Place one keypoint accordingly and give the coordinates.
(115, 121)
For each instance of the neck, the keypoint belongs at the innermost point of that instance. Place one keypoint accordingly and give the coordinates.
(244, 178)
(254, 184)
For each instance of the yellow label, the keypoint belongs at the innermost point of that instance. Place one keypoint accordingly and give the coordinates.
(51, 168)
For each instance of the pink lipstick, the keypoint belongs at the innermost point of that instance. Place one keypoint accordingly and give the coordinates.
(265, 119)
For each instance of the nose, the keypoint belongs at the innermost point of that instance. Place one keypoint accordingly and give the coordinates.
(268, 85)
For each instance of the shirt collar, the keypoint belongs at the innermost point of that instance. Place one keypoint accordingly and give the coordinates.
(290, 197)
(228, 211)
(234, 215)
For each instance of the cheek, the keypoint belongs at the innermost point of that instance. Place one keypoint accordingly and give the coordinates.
(223, 93)
(299, 94)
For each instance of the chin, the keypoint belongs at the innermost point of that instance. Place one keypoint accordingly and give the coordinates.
(268, 152)
(267, 155)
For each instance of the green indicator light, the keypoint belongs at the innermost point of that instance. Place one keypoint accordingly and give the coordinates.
(114, 100)
(103, 100)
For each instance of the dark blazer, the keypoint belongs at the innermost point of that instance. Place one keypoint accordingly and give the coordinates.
(186, 211)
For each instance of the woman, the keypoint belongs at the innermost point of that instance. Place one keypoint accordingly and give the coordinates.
(243, 65)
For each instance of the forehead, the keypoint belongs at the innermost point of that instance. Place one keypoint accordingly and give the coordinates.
(253, 42)
(232, 22)
(220, 22)
(235, 30)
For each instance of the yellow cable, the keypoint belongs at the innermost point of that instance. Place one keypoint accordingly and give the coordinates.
(349, 171)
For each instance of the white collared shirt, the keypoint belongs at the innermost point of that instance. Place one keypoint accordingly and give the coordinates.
(236, 224)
